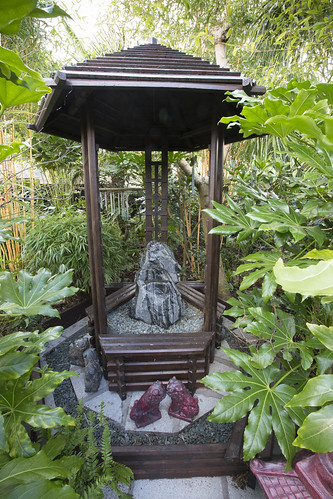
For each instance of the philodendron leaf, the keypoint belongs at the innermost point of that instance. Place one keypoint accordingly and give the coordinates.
(315, 280)
(42, 489)
(25, 470)
(255, 392)
(316, 432)
(323, 333)
(33, 295)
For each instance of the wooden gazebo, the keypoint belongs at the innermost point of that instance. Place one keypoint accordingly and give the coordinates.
(147, 98)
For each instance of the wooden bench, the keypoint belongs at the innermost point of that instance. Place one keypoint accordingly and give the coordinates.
(134, 362)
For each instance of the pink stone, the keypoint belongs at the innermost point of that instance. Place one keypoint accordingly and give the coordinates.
(183, 405)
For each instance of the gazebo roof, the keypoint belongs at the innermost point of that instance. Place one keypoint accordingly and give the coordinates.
(149, 95)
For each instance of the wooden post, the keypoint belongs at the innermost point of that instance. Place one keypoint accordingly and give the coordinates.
(156, 190)
(213, 240)
(90, 165)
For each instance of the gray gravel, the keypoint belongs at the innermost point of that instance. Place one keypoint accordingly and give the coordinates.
(199, 432)
(121, 323)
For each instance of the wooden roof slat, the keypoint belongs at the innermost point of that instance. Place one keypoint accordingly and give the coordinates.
(128, 91)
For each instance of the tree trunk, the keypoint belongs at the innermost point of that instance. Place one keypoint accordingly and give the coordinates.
(202, 185)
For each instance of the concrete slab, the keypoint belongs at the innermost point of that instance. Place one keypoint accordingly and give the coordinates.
(179, 488)
(112, 405)
(78, 385)
(75, 328)
(236, 492)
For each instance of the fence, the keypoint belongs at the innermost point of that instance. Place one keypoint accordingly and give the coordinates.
(116, 201)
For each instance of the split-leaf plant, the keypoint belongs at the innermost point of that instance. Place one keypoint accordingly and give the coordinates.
(276, 382)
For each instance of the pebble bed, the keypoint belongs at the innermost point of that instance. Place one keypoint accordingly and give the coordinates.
(199, 432)
(120, 322)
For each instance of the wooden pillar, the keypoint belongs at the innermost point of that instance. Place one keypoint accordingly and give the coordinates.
(90, 166)
(156, 190)
(213, 240)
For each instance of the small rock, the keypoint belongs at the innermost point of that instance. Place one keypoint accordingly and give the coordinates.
(93, 372)
(76, 350)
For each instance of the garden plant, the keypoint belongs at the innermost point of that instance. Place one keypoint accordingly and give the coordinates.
(285, 300)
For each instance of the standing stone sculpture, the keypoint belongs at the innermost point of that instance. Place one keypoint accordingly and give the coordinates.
(157, 300)
(183, 405)
(93, 372)
(77, 349)
(146, 410)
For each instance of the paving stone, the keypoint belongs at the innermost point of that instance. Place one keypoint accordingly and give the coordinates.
(78, 385)
(163, 425)
(236, 492)
(112, 405)
(179, 488)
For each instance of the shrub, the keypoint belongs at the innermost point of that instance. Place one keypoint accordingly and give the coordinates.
(61, 239)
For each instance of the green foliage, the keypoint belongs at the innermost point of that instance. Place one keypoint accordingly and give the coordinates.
(262, 384)
(61, 239)
(32, 477)
(98, 467)
(19, 395)
(289, 217)
(31, 295)
(314, 280)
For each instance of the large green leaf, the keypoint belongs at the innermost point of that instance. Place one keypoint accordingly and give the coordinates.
(313, 158)
(323, 333)
(25, 470)
(277, 328)
(37, 341)
(14, 364)
(259, 393)
(33, 295)
(12, 13)
(316, 392)
(316, 432)
(324, 361)
(42, 489)
(13, 341)
(18, 399)
(324, 254)
(41, 416)
(315, 280)
(16, 65)
(12, 94)
(43, 386)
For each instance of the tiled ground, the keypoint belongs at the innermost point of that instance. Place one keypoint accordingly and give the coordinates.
(118, 410)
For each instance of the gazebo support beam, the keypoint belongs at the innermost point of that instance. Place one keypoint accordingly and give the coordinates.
(213, 240)
(90, 166)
